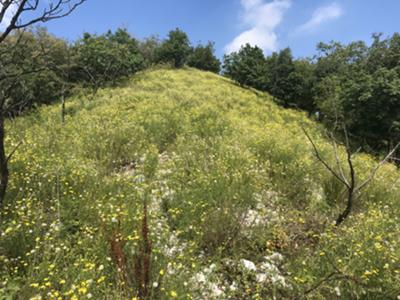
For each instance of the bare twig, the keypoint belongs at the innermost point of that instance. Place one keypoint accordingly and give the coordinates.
(17, 8)
(350, 181)
(319, 157)
(375, 170)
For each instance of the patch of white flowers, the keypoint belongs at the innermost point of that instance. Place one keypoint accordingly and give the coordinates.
(210, 283)
(264, 213)
(268, 271)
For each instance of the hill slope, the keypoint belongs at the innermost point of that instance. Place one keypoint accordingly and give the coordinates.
(236, 205)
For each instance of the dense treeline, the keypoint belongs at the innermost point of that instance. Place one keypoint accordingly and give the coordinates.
(54, 67)
(354, 85)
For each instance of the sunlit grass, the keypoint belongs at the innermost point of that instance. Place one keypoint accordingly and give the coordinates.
(229, 178)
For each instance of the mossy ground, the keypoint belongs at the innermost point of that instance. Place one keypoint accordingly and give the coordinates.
(239, 208)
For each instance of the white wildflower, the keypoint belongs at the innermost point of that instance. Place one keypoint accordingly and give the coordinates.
(200, 277)
(233, 286)
(261, 277)
(215, 290)
(337, 291)
(249, 265)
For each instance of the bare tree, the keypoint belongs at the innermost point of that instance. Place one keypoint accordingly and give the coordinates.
(353, 188)
(17, 15)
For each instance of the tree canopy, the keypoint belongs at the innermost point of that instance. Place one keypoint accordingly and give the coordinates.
(203, 58)
(175, 49)
(355, 85)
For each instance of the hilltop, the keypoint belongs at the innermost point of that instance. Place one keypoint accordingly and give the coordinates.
(195, 187)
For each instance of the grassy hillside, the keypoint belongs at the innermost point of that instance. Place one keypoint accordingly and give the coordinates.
(237, 205)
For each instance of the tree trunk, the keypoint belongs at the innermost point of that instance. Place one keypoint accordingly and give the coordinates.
(347, 211)
(3, 164)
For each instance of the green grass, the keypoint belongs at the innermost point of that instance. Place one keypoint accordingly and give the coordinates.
(228, 177)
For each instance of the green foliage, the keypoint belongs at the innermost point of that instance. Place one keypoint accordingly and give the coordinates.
(203, 58)
(238, 206)
(175, 49)
(303, 81)
(352, 85)
(359, 86)
(247, 67)
(280, 67)
(149, 49)
(41, 67)
(290, 81)
(105, 59)
(28, 61)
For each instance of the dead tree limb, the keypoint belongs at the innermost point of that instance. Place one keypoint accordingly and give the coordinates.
(22, 13)
(353, 189)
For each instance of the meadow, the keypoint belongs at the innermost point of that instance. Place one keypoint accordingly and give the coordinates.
(179, 184)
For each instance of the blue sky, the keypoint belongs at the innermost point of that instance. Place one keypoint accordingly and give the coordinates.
(271, 24)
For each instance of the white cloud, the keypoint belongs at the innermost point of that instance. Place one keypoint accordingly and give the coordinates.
(264, 40)
(247, 4)
(262, 19)
(321, 15)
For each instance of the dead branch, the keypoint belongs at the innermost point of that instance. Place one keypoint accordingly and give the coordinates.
(350, 181)
(377, 167)
(319, 157)
(18, 8)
